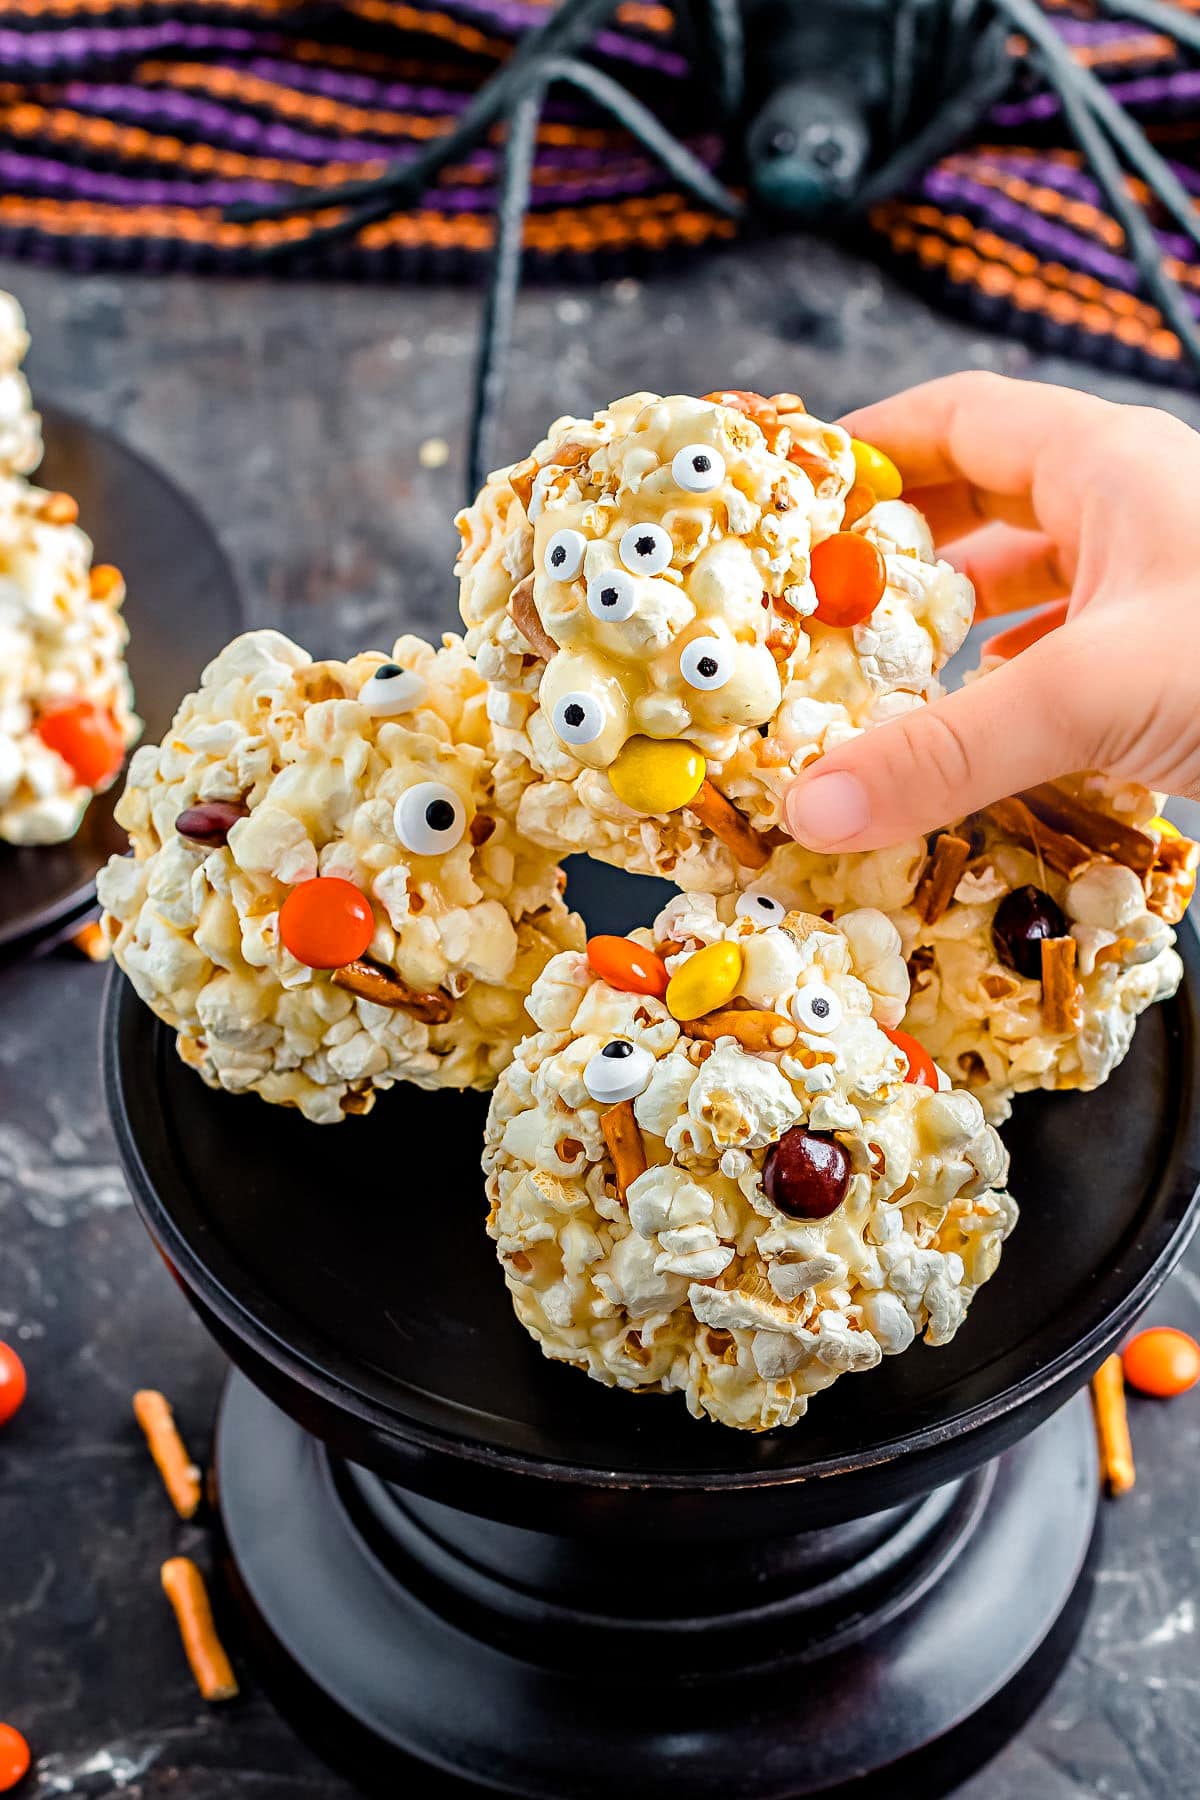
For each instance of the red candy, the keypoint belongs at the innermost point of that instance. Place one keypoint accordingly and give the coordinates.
(806, 1174)
(326, 922)
(14, 1758)
(1162, 1361)
(921, 1068)
(87, 737)
(849, 575)
(627, 967)
(12, 1383)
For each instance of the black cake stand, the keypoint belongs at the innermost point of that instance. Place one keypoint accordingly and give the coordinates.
(182, 606)
(461, 1566)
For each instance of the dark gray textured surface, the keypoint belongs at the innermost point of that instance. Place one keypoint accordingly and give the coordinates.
(295, 417)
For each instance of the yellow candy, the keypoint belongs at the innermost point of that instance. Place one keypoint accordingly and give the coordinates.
(705, 981)
(877, 470)
(656, 776)
(1163, 828)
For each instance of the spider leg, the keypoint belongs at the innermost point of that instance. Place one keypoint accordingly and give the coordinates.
(402, 185)
(500, 302)
(1075, 90)
(718, 40)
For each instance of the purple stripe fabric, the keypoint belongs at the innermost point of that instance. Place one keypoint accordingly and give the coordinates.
(51, 50)
(1148, 92)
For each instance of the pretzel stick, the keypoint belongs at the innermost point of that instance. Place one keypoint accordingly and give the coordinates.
(528, 621)
(1172, 881)
(184, 1587)
(181, 1477)
(1112, 1427)
(754, 1030)
(726, 822)
(1092, 827)
(1060, 990)
(941, 876)
(383, 987)
(1060, 851)
(623, 1135)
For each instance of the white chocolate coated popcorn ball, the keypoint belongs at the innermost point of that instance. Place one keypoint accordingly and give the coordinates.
(780, 1195)
(327, 893)
(680, 603)
(1085, 863)
(66, 704)
(20, 425)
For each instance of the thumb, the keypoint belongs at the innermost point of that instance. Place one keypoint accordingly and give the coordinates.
(1013, 728)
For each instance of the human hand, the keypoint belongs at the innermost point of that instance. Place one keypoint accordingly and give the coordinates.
(1041, 495)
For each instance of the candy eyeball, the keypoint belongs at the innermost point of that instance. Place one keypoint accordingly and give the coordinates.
(391, 690)
(577, 719)
(611, 596)
(697, 469)
(816, 1007)
(761, 908)
(646, 549)
(621, 1071)
(564, 554)
(430, 819)
(706, 663)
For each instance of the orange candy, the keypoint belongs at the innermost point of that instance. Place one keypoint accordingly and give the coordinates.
(85, 736)
(12, 1383)
(1162, 1361)
(1019, 637)
(14, 1757)
(326, 922)
(849, 575)
(921, 1069)
(627, 967)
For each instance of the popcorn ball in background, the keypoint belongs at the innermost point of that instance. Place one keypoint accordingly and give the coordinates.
(327, 893)
(20, 426)
(66, 705)
(1035, 933)
(678, 604)
(717, 1168)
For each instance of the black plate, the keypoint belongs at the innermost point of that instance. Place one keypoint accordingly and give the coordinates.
(347, 1269)
(182, 606)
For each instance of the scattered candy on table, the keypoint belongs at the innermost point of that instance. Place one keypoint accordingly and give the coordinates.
(12, 1383)
(1162, 1361)
(326, 922)
(627, 966)
(850, 577)
(15, 1757)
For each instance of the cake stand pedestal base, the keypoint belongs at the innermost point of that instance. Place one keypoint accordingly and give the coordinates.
(407, 1639)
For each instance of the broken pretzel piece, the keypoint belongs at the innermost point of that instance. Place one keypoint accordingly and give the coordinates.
(1171, 883)
(940, 876)
(184, 1587)
(383, 987)
(180, 1476)
(1060, 989)
(523, 612)
(1098, 830)
(1112, 1427)
(1056, 848)
(521, 478)
(623, 1135)
(725, 822)
(756, 1031)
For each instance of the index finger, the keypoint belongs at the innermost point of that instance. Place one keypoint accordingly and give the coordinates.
(997, 434)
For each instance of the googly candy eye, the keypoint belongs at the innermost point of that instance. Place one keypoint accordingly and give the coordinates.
(430, 818)
(391, 690)
(816, 1007)
(577, 719)
(611, 596)
(706, 663)
(761, 908)
(621, 1071)
(564, 555)
(646, 549)
(697, 469)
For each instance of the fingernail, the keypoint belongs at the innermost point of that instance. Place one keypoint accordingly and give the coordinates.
(827, 810)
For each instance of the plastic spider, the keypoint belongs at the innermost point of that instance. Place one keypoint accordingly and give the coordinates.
(825, 106)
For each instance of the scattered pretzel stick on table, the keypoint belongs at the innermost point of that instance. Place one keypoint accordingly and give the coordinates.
(1112, 1427)
(184, 1587)
(181, 1477)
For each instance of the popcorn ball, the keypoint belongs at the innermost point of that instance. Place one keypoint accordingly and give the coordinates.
(20, 426)
(1035, 933)
(66, 704)
(327, 893)
(678, 604)
(716, 1168)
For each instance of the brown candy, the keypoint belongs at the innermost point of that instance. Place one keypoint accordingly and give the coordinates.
(210, 822)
